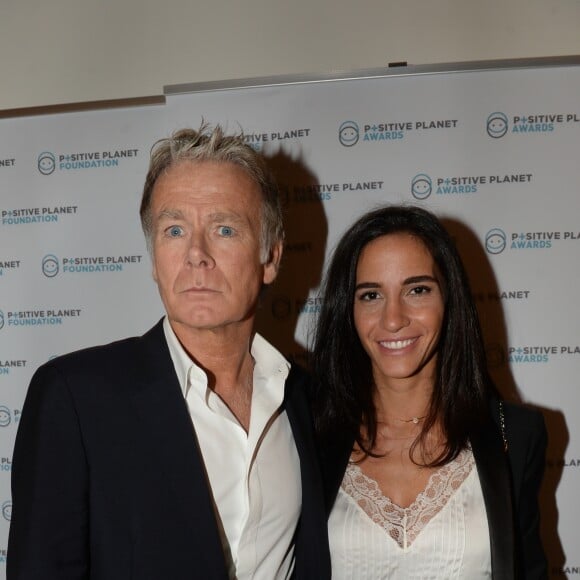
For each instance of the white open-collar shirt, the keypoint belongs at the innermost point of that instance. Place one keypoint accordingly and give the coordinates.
(255, 476)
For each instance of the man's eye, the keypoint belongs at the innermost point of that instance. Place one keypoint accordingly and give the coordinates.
(174, 231)
(226, 231)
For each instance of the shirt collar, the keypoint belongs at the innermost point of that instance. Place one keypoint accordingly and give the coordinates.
(269, 362)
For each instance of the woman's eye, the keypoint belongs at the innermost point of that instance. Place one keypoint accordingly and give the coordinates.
(420, 290)
(226, 231)
(368, 296)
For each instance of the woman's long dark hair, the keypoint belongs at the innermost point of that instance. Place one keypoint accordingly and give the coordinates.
(344, 382)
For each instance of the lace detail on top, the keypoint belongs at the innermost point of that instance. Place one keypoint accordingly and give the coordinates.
(405, 524)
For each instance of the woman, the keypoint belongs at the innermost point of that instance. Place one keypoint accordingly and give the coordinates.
(427, 474)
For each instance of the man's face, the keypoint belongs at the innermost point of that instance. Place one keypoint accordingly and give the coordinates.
(206, 246)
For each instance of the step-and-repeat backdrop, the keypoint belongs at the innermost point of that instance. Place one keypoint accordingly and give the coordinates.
(494, 152)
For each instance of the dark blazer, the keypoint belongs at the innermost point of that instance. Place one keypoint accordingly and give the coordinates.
(108, 481)
(510, 483)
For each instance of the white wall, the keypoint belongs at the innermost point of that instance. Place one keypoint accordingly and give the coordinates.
(67, 51)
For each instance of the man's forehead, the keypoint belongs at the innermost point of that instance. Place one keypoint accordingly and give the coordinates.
(212, 215)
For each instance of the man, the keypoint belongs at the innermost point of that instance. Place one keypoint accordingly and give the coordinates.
(187, 452)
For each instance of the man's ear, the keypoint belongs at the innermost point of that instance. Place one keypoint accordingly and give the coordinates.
(273, 264)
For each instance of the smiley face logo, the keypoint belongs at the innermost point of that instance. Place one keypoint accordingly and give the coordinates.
(348, 133)
(495, 241)
(421, 186)
(46, 163)
(497, 125)
(7, 510)
(5, 416)
(50, 266)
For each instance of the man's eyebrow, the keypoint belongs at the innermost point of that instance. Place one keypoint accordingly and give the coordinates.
(174, 214)
(219, 216)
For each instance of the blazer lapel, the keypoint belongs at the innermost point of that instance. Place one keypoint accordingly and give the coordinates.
(311, 549)
(168, 429)
(494, 476)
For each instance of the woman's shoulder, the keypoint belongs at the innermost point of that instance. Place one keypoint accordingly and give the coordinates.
(522, 427)
(525, 417)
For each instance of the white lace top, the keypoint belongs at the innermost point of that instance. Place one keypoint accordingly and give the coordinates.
(442, 535)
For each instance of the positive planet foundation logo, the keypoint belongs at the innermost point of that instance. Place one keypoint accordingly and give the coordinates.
(5, 416)
(6, 366)
(51, 265)
(35, 215)
(7, 510)
(40, 317)
(46, 163)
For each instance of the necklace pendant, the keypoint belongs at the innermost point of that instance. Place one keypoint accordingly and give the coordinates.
(415, 420)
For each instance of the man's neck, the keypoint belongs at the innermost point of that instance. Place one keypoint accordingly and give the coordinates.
(224, 354)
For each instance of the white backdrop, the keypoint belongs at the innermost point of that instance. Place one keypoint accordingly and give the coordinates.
(493, 151)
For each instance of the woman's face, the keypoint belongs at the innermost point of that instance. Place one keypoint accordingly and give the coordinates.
(398, 309)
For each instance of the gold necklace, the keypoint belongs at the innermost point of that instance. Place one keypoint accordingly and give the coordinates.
(414, 420)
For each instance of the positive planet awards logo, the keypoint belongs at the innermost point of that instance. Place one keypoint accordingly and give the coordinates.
(258, 140)
(316, 192)
(542, 353)
(496, 240)
(423, 185)
(48, 162)
(283, 306)
(350, 132)
(498, 124)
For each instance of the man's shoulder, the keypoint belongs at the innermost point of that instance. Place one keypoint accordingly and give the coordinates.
(111, 357)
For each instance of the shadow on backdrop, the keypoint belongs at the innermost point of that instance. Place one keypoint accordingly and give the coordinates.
(488, 299)
(288, 300)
